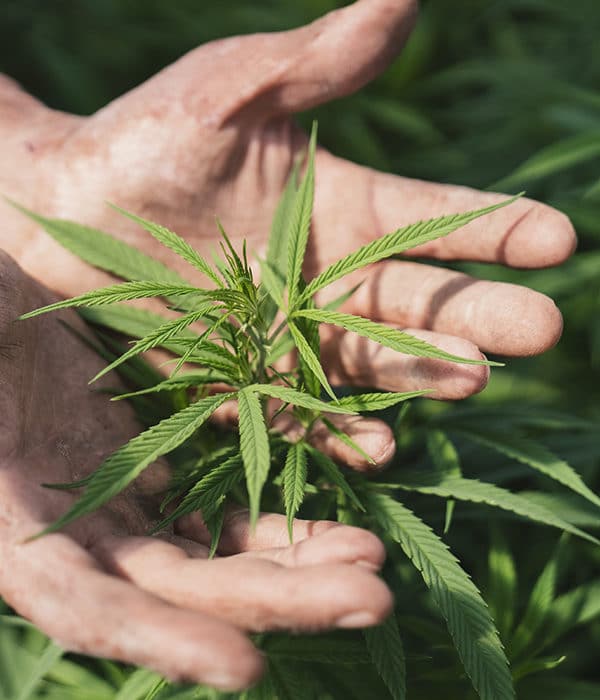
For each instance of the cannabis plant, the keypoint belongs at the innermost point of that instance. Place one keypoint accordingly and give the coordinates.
(233, 332)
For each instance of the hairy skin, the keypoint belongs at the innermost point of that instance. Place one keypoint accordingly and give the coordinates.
(212, 135)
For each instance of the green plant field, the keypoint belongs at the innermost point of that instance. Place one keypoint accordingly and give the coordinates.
(500, 95)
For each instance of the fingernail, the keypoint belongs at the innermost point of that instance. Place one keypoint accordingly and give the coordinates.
(362, 618)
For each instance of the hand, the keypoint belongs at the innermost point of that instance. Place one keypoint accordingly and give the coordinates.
(212, 135)
(104, 588)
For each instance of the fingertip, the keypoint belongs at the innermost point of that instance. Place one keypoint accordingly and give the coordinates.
(539, 237)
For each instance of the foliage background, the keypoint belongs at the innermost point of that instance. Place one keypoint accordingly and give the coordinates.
(482, 88)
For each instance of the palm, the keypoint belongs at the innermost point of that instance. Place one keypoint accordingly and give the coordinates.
(180, 609)
(211, 135)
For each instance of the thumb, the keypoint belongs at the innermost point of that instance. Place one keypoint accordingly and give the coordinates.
(339, 53)
(285, 72)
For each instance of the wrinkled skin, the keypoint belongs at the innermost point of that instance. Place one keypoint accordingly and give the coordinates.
(102, 586)
(212, 135)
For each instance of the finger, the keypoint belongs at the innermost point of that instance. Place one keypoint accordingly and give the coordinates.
(255, 594)
(287, 71)
(369, 204)
(315, 541)
(505, 319)
(351, 359)
(58, 586)
(373, 437)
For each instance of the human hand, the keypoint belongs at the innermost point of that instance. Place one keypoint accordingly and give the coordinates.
(212, 135)
(101, 586)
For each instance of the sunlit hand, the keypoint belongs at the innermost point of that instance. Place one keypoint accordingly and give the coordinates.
(104, 588)
(212, 135)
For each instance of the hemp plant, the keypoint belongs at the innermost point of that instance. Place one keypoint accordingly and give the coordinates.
(233, 333)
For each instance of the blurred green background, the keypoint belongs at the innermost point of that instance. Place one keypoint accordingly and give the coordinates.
(498, 94)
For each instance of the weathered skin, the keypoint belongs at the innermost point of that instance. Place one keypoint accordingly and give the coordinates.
(212, 135)
(105, 588)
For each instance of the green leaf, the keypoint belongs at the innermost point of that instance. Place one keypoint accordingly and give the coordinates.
(333, 473)
(175, 243)
(254, 447)
(577, 607)
(128, 462)
(347, 440)
(158, 337)
(466, 614)
(207, 494)
(300, 398)
(294, 481)
(300, 224)
(137, 687)
(539, 603)
(104, 251)
(536, 666)
(273, 283)
(395, 243)
(378, 401)
(384, 335)
(554, 158)
(386, 650)
(309, 357)
(181, 381)
(332, 648)
(502, 583)
(534, 455)
(115, 293)
(42, 666)
(445, 459)
(476, 491)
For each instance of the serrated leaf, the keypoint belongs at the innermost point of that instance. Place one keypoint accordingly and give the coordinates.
(386, 336)
(312, 361)
(466, 614)
(534, 455)
(395, 243)
(116, 293)
(300, 223)
(128, 462)
(333, 473)
(104, 251)
(300, 398)
(476, 491)
(378, 401)
(387, 652)
(207, 494)
(181, 381)
(294, 481)
(254, 447)
(175, 242)
(159, 337)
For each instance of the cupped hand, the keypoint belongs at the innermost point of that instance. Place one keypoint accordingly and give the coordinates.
(102, 586)
(212, 134)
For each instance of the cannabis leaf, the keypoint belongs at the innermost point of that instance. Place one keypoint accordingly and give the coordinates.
(254, 447)
(386, 650)
(459, 601)
(384, 335)
(128, 462)
(395, 243)
(294, 481)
